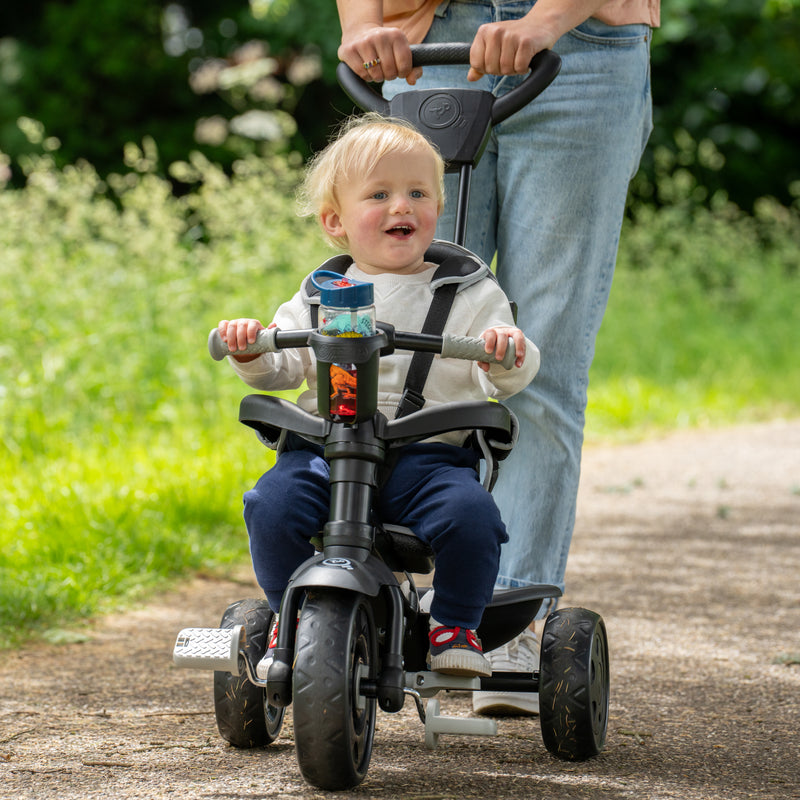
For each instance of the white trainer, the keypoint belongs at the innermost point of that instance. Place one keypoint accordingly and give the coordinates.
(521, 654)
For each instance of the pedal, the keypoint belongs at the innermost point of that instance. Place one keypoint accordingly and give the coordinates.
(209, 648)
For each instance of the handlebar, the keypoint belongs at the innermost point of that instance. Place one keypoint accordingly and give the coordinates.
(266, 342)
(467, 348)
(544, 66)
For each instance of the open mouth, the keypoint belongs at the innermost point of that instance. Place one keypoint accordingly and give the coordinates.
(400, 230)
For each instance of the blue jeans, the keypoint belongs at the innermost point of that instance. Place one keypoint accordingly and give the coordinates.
(548, 199)
(433, 489)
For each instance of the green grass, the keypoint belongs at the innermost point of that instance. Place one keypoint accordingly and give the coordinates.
(122, 459)
(701, 324)
(94, 524)
(123, 463)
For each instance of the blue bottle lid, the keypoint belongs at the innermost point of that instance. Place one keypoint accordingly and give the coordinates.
(342, 292)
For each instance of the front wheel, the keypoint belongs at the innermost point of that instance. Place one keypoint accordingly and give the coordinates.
(244, 717)
(574, 684)
(334, 723)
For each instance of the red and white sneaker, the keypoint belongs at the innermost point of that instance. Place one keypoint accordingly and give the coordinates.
(262, 668)
(457, 651)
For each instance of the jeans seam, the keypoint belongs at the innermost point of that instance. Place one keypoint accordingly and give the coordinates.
(609, 41)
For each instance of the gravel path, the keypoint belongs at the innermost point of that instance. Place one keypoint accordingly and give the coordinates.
(689, 546)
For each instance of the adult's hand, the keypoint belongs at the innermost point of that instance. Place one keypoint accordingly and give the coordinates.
(373, 52)
(506, 48)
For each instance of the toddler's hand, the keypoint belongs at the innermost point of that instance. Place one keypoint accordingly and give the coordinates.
(238, 333)
(497, 342)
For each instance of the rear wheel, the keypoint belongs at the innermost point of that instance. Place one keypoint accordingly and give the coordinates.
(574, 684)
(334, 723)
(244, 718)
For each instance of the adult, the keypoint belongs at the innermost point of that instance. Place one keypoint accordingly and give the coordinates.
(547, 199)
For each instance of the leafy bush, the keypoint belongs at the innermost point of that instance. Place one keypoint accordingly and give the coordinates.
(199, 74)
(726, 73)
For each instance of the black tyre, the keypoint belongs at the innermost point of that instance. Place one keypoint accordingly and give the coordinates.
(244, 718)
(333, 724)
(574, 684)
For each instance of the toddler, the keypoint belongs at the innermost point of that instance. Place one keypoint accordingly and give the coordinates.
(377, 191)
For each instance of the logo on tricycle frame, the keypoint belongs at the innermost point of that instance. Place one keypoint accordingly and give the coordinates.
(342, 563)
(440, 110)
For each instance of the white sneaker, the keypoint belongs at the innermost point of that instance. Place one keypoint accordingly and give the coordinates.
(521, 654)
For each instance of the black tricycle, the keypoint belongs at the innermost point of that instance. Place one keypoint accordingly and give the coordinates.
(361, 638)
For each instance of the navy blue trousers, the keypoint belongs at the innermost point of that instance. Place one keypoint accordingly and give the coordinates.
(434, 489)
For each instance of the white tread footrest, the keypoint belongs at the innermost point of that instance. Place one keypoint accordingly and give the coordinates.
(209, 648)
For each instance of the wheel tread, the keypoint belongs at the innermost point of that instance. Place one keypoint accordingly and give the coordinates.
(239, 706)
(330, 753)
(571, 729)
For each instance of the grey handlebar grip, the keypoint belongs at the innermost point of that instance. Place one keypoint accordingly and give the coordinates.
(264, 343)
(472, 349)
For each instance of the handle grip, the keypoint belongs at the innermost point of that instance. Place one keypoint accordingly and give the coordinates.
(544, 66)
(264, 343)
(470, 349)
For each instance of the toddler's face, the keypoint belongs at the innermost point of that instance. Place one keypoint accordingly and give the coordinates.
(389, 216)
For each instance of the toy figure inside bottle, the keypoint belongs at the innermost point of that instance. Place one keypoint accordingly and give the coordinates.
(346, 310)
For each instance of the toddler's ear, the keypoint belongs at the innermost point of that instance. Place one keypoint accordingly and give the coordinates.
(331, 222)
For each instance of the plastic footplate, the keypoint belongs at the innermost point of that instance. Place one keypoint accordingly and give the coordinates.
(437, 724)
(209, 648)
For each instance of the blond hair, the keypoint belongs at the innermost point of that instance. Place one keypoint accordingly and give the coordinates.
(359, 145)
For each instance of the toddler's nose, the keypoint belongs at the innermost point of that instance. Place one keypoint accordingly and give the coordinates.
(400, 205)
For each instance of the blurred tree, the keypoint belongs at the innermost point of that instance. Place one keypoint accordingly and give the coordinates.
(726, 87)
(306, 30)
(195, 74)
(300, 41)
(231, 77)
(98, 77)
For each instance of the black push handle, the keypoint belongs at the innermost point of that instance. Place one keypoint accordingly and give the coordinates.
(544, 66)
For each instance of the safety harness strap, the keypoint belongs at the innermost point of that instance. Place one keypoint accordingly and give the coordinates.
(412, 398)
(456, 266)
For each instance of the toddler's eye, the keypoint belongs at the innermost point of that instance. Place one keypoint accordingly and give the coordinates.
(379, 195)
(417, 194)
